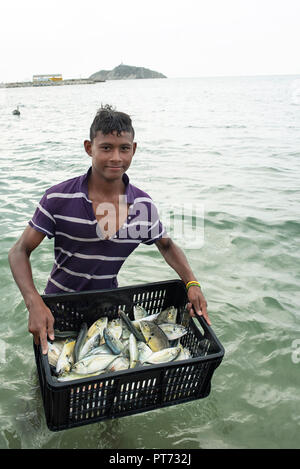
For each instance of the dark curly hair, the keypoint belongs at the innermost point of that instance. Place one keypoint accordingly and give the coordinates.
(108, 120)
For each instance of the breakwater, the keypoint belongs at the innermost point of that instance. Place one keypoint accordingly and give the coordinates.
(73, 81)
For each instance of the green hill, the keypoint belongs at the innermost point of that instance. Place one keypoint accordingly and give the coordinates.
(125, 72)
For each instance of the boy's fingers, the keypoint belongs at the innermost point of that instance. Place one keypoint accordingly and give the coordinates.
(202, 311)
(50, 331)
(43, 340)
(205, 315)
(189, 308)
(36, 338)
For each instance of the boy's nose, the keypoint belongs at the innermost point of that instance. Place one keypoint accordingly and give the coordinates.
(115, 155)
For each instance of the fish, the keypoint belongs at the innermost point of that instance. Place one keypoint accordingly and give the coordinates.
(130, 326)
(184, 353)
(125, 331)
(101, 349)
(133, 351)
(92, 342)
(167, 315)
(115, 327)
(54, 351)
(155, 338)
(115, 345)
(80, 340)
(120, 363)
(151, 317)
(173, 331)
(139, 312)
(93, 364)
(72, 376)
(165, 355)
(65, 334)
(97, 326)
(144, 351)
(119, 344)
(66, 358)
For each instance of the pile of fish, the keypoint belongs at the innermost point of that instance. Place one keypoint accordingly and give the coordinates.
(118, 344)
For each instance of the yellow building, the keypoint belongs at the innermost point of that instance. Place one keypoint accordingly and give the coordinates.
(52, 77)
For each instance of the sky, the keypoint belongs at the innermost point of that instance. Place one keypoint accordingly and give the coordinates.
(179, 38)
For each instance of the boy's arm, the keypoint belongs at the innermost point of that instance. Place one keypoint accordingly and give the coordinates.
(40, 321)
(175, 257)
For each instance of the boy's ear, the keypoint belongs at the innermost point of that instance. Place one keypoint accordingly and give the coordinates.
(134, 148)
(88, 147)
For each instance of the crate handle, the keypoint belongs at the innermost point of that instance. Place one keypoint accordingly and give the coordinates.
(208, 330)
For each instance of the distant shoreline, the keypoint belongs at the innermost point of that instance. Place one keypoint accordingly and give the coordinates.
(73, 81)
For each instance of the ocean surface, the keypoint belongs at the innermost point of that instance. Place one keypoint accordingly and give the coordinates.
(227, 150)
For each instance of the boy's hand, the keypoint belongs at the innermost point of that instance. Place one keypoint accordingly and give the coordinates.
(40, 324)
(197, 303)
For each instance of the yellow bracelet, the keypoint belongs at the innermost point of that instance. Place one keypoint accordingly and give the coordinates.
(193, 283)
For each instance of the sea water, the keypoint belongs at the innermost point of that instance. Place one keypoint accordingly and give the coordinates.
(223, 156)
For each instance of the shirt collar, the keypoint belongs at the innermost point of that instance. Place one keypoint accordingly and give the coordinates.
(128, 187)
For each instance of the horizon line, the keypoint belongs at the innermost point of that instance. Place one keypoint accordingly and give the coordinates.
(186, 76)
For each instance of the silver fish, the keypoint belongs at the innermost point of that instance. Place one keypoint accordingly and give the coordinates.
(184, 353)
(54, 351)
(151, 317)
(165, 355)
(97, 326)
(154, 336)
(72, 376)
(115, 345)
(167, 315)
(65, 334)
(139, 312)
(66, 358)
(115, 327)
(133, 351)
(120, 363)
(130, 326)
(125, 331)
(144, 351)
(91, 343)
(173, 331)
(102, 349)
(93, 363)
(80, 341)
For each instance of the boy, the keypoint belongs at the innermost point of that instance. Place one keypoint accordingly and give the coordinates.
(97, 220)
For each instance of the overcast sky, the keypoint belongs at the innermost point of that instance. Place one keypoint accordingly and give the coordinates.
(186, 38)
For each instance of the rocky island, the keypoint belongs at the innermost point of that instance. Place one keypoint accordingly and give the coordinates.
(125, 72)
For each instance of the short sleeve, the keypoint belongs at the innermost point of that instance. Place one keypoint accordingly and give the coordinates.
(42, 219)
(156, 229)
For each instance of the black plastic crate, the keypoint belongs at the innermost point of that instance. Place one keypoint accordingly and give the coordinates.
(126, 392)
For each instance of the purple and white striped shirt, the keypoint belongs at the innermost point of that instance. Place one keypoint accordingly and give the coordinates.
(84, 260)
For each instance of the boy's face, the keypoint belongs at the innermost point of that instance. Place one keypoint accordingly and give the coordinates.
(111, 154)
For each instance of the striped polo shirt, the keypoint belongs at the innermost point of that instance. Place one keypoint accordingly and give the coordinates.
(84, 259)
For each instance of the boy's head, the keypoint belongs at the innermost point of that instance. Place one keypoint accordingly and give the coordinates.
(108, 120)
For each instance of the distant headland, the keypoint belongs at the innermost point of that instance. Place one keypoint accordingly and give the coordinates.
(121, 72)
(125, 72)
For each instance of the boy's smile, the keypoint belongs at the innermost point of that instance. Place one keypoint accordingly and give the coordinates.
(111, 154)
